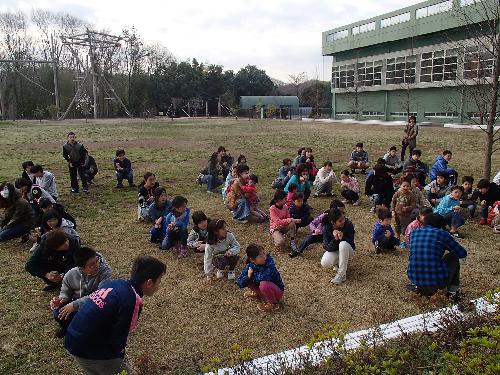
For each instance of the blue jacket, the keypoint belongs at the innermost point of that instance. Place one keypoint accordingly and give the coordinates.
(379, 230)
(301, 186)
(304, 212)
(265, 272)
(181, 222)
(446, 205)
(283, 172)
(426, 266)
(155, 212)
(331, 244)
(102, 325)
(440, 165)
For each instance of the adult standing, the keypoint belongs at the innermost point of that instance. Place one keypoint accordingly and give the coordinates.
(410, 137)
(75, 154)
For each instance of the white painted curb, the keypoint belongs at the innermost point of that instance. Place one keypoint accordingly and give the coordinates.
(294, 358)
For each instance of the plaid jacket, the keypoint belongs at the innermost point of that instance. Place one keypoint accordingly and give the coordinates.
(427, 247)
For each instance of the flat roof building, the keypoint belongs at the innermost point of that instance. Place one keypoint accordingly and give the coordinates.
(415, 60)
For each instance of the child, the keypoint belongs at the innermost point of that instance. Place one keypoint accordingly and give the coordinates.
(197, 238)
(393, 162)
(46, 204)
(175, 225)
(349, 188)
(292, 189)
(383, 235)
(316, 227)
(338, 242)
(123, 169)
(324, 180)
(310, 164)
(441, 165)
(403, 203)
(494, 217)
(280, 222)
(91, 269)
(18, 218)
(437, 189)
(489, 193)
(284, 174)
(229, 179)
(75, 154)
(97, 336)
(146, 196)
(420, 198)
(469, 197)
(90, 168)
(242, 159)
(299, 159)
(301, 179)
(419, 168)
(53, 258)
(417, 223)
(449, 208)
(27, 165)
(45, 180)
(262, 278)
(379, 187)
(253, 199)
(221, 251)
(359, 159)
(300, 210)
(52, 219)
(210, 174)
(160, 208)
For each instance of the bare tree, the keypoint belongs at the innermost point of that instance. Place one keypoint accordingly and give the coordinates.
(478, 82)
(296, 80)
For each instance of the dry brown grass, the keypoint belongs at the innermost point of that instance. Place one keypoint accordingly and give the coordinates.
(188, 322)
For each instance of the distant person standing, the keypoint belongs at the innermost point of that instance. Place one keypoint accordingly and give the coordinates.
(410, 137)
(75, 154)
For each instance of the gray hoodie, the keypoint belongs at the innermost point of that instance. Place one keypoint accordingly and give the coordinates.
(78, 286)
(218, 249)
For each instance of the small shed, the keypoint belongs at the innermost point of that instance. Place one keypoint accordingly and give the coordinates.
(250, 102)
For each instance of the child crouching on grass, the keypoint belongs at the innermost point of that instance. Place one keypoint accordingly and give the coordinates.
(349, 188)
(160, 208)
(175, 226)
(300, 210)
(417, 223)
(449, 208)
(197, 238)
(262, 278)
(253, 199)
(280, 223)
(221, 251)
(383, 237)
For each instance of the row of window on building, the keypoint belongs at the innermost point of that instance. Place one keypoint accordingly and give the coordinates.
(427, 11)
(403, 114)
(435, 66)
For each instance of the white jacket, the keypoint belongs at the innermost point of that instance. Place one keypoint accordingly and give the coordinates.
(322, 177)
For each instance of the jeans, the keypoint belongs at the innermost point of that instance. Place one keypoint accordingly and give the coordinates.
(242, 210)
(472, 209)
(454, 219)
(156, 234)
(403, 150)
(267, 290)
(377, 199)
(64, 323)
(211, 181)
(102, 366)
(350, 195)
(120, 176)
(388, 243)
(309, 240)
(340, 258)
(484, 212)
(14, 231)
(173, 236)
(453, 282)
(74, 179)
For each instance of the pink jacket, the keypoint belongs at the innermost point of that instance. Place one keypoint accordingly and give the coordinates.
(278, 217)
(413, 225)
(352, 184)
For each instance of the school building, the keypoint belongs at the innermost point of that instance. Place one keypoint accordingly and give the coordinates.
(416, 60)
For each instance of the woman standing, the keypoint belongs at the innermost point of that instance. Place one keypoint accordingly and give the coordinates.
(410, 137)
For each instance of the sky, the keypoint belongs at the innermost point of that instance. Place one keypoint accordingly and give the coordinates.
(278, 36)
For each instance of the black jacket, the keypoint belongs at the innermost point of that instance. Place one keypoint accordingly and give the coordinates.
(331, 244)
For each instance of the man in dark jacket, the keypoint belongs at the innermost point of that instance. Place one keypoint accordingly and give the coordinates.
(53, 258)
(488, 193)
(75, 154)
(97, 335)
(379, 187)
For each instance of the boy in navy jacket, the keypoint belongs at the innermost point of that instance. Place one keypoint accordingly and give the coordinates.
(383, 236)
(300, 210)
(97, 335)
(123, 169)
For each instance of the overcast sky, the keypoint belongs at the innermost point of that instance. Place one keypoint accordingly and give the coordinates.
(281, 37)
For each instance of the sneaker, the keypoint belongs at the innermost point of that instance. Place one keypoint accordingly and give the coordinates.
(456, 235)
(482, 222)
(315, 195)
(250, 294)
(241, 221)
(378, 250)
(86, 191)
(411, 288)
(231, 275)
(294, 254)
(344, 201)
(219, 274)
(330, 195)
(496, 230)
(198, 179)
(74, 191)
(209, 192)
(454, 297)
(357, 203)
(268, 307)
(294, 246)
(372, 210)
(338, 279)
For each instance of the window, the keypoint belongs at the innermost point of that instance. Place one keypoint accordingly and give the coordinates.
(363, 28)
(400, 18)
(400, 70)
(403, 114)
(438, 66)
(347, 113)
(434, 9)
(370, 73)
(478, 63)
(441, 114)
(373, 113)
(343, 76)
(337, 35)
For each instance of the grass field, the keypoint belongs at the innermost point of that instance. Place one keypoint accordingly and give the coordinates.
(188, 322)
